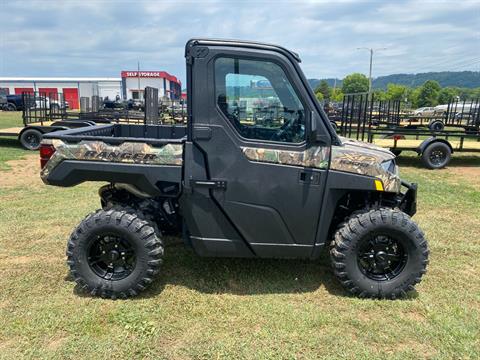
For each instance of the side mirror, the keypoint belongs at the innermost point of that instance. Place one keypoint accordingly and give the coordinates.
(316, 137)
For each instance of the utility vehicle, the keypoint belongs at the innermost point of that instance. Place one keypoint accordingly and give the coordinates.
(235, 185)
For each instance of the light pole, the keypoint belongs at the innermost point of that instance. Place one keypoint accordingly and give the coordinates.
(371, 50)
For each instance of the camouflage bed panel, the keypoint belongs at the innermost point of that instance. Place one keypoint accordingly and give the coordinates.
(128, 152)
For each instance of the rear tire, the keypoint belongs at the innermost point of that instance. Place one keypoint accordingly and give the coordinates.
(437, 155)
(379, 254)
(31, 139)
(114, 254)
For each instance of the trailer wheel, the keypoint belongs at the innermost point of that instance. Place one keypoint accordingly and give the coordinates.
(114, 254)
(437, 155)
(379, 253)
(31, 139)
(436, 125)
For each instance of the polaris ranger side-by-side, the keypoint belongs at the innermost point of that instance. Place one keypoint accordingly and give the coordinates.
(234, 184)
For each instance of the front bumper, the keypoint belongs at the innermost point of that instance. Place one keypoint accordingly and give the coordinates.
(408, 200)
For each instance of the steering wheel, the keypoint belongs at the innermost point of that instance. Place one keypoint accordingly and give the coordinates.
(282, 133)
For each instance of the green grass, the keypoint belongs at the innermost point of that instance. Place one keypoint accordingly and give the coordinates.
(10, 119)
(10, 148)
(234, 308)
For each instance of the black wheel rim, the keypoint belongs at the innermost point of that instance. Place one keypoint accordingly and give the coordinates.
(381, 257)
(32, 140)
(111, 257)
(437, 157)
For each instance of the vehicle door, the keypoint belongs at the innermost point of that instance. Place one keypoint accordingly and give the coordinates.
(258, 113)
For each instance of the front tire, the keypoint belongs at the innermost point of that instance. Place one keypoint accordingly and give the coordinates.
(379, 254)
(114, 254)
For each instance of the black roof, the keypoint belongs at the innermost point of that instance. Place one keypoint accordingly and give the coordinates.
(243, 43)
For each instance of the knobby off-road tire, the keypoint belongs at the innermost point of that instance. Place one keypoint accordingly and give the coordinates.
(366, 242)
(114, 253)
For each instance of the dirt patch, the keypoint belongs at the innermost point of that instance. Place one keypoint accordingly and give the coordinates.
(470, 174)
(23, 172)
(22, 260)
(56, 343)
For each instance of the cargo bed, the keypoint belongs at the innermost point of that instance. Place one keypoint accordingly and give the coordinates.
(149, 157)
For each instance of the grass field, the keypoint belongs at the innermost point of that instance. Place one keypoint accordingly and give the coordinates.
(9, 146)
(232, 308)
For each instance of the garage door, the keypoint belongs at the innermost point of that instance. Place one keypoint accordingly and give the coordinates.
(19, 91)
(49, 92)
(70, 95)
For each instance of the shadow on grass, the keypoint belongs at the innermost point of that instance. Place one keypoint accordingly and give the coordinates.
(456, 160)
(182, 267)
(237, 276)
(10, 142)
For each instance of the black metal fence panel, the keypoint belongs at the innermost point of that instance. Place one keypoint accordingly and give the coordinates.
(46, 108)
(151, 106)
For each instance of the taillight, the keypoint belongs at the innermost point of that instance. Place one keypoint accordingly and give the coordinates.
(46, 152)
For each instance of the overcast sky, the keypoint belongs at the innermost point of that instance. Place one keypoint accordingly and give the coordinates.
(101, 38)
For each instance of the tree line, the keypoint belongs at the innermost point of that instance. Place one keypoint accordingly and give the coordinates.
(430, 93)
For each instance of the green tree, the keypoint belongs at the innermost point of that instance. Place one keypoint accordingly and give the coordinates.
(396, 92)
(355, 83)
(379, 95)
(337, 95)
(428, 95)
(324, 89)
(412, 97)
(447, 94)
(319, 96)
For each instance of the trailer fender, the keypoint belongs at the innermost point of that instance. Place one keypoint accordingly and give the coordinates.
(421, 148)
(42, 129)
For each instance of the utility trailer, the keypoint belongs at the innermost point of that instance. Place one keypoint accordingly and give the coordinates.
(435, 148)
(45, 113)
(361, 119)
(41, 114)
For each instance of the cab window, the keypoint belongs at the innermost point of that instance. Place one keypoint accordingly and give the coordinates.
(259, 100)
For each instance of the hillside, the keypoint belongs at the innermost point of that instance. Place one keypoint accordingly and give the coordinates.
(466, 79)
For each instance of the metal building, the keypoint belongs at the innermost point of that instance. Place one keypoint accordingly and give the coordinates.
(72, 88)
(129, 86)
(133, 83)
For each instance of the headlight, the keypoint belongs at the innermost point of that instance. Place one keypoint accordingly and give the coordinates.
(390, 166)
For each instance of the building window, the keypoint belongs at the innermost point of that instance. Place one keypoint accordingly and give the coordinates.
(137, 95)
(259, 100)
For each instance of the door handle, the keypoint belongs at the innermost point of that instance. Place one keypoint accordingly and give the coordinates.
(211, 184)
(309, 177)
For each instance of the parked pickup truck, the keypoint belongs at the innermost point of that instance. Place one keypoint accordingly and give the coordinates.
(234, 185)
